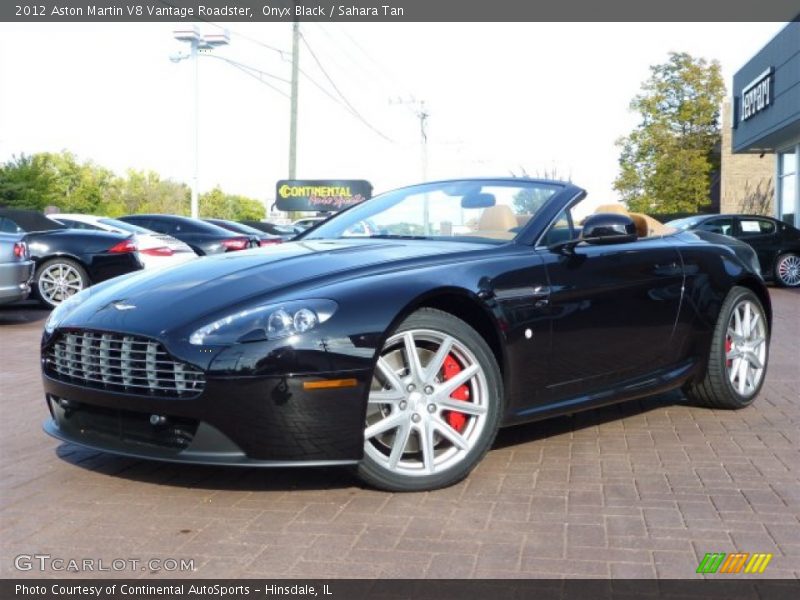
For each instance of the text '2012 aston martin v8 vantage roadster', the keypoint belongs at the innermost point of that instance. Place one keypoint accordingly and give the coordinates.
(472, 305)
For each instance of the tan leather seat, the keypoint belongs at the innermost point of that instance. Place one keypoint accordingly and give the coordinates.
(646, 225)
(653, 227)
(641, 224)
(497, 222)
(616, 208)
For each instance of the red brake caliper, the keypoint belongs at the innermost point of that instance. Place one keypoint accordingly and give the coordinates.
(728, 346)
(451, 368)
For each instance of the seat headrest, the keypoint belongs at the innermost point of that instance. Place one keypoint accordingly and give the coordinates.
(616, 208)
(497, 218)
(642, 229)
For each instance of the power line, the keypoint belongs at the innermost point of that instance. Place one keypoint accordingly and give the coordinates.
(352, 109)
(259, 71)
(388, 75)
(286, 56)
(253, 72)
(283, 53)
(367, 74)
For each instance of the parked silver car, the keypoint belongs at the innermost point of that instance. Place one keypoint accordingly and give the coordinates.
(16, 268)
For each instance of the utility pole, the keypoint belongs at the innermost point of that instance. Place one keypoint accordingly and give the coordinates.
(422, 114)
(293, 114)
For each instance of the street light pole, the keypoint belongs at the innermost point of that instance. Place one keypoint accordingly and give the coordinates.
(197, 42)
(196, 118)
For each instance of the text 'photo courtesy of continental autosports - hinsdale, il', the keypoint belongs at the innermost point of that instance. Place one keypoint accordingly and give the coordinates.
(471, 305)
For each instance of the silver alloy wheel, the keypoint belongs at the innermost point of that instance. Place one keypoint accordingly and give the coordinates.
(788, 270)
(407, 430)
(745, 348)
(58, 282)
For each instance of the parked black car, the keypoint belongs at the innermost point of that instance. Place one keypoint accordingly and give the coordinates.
(69, 260)
(261, 237)
(402, 353)
(204, 238)
(776, 243)
(286, 232)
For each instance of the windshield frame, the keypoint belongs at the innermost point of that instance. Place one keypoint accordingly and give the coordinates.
(562, 191)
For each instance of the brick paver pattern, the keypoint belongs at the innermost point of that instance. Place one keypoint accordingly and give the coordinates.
(643, 489)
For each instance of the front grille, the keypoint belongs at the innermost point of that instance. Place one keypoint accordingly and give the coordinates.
(123, 363)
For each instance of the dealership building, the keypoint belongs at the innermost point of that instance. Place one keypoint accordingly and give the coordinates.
(765, 115)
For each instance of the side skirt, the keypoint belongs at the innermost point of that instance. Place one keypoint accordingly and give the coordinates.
(655, 383)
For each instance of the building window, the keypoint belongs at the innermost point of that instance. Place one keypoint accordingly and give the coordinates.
(787, 186)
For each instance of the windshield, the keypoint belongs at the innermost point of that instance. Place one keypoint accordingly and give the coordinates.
(122, 225)
(492, 211)
(682, 224)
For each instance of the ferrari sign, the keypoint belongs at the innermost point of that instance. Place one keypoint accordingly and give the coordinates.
(757, 95)
(320, 195)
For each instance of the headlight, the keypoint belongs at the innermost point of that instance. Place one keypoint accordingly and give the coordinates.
(60, 312)
(267, 322)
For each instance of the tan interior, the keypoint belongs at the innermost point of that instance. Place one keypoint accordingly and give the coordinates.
(646, 226)
(612, 208)
(496, 222)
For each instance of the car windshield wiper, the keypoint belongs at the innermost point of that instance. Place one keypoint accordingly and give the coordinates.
(397, 236)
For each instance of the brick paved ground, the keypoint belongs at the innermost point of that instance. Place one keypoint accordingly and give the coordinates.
(638, 490)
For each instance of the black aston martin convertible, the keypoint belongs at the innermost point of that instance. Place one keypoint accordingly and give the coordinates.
(475, 304)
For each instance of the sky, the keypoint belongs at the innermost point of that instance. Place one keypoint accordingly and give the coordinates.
(501, 97)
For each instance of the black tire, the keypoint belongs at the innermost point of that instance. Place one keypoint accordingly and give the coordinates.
(785, 272)
(78, 279)
(716, 389)
(485, 392)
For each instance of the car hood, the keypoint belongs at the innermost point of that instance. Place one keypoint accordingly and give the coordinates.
(168, 299)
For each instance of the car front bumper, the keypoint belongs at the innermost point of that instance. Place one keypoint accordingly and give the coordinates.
(246, 421)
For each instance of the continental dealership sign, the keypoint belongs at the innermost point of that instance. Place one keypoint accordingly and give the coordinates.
(320, 194)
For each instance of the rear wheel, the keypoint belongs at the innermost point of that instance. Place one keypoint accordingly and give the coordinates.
(59, 278)
(739, 353)
(434, 405)
(787, 270)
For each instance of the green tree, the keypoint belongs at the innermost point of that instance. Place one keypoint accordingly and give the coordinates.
(218, 204)
(146, 192)
(529, 201)
(46, 178)
(78, 187)
(59, 179)
(667, 161)
(25, 182)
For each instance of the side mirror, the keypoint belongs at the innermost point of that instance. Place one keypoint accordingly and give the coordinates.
(608, 228)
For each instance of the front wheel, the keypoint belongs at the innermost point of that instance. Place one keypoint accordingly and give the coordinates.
(738, 356)
(787, 270)
(434, 405)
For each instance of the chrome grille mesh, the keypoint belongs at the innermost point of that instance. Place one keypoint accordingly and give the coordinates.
(122, 363)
